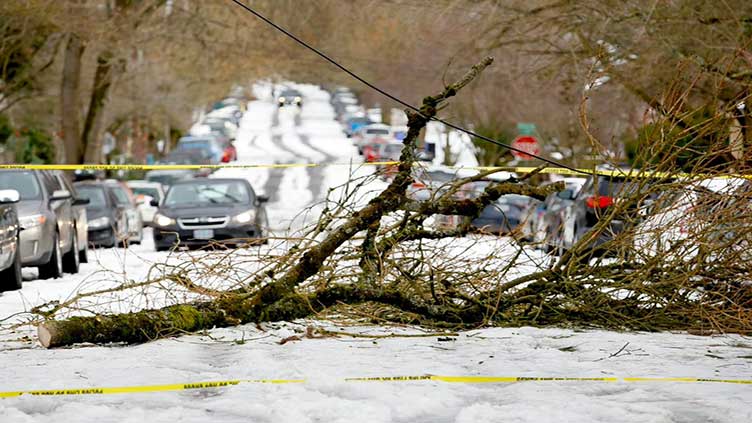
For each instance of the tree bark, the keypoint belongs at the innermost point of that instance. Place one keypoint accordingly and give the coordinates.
(69, 99)
(231, 310)
(90, 139)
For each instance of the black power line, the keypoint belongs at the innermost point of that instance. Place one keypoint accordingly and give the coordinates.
(394, 98)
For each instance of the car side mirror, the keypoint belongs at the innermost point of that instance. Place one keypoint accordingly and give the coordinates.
(80, 201)
(154, 203)
(262, 198)
(9, 196)
(60, 194)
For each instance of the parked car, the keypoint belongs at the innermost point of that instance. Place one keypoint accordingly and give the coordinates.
(373, 133)
(145, 192)
(548, 216)
(79, 211)
(290, 96)
(210, 146)
(227, 127)
(427, 183)
(354, 122)
(690, 216)
(125, 199)
(47, 214)
(197, 212)
(505, 215)
(10, 241)
(107, 222)
(596, 199)
(169, 177)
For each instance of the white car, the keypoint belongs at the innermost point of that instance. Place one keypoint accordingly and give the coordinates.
(372, 133)
(146, 191)
(683, 219)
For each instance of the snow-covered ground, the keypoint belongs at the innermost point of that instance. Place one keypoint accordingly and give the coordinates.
(269, 135)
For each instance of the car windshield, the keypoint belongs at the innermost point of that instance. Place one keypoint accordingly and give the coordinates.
(121, 197)
(151, 192)
(94, 194)
(290, 93)
(24, 182)
(211, 192)
(377, 131)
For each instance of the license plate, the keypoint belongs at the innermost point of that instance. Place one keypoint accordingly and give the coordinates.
(203, 234)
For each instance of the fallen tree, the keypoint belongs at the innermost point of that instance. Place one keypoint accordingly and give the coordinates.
(387, 252)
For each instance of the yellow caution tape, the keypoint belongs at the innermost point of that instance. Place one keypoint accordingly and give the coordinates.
(146, 388)
(635, 173)
(436, 378)
(179, 167)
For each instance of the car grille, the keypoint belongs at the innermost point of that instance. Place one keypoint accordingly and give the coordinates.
(207, 222)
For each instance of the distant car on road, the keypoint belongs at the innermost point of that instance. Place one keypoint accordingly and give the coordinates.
(372, 134)
(354, 122)
(290, 96)
(210, 147)
(49, 218)
(200, 211)
(169, 177)
(145, 192)
(10, 248)
(107, 223)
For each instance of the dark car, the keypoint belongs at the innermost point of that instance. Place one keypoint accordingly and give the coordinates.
(210, 146)
(200, 211)
(548, 217)
(290, 97)
(48, 214)
(10, 249)
(593, 202)
(504, 215)
(107, 222)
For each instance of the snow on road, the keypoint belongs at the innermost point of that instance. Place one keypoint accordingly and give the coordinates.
(268, 134)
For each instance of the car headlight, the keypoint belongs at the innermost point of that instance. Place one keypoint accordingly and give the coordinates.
(32, 221)
(99, 222)
(245, 217)
(281, 99)
(298, 99)
(163, 220)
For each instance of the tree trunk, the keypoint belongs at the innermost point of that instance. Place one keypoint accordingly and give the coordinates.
(232, 310)
(90, 138)
(69, 99)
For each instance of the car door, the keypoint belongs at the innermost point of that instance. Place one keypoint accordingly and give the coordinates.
(79, 211)
(63, 209)
(7, 235)
(123, 201)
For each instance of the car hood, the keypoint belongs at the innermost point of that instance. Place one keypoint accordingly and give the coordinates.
(199, 210)
(29, 207)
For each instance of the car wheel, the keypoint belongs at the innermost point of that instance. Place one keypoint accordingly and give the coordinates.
(71, 259)
(10, 278)
(83, 255)
(54, 267)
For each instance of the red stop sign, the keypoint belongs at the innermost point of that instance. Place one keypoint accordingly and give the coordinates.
(528, 145)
